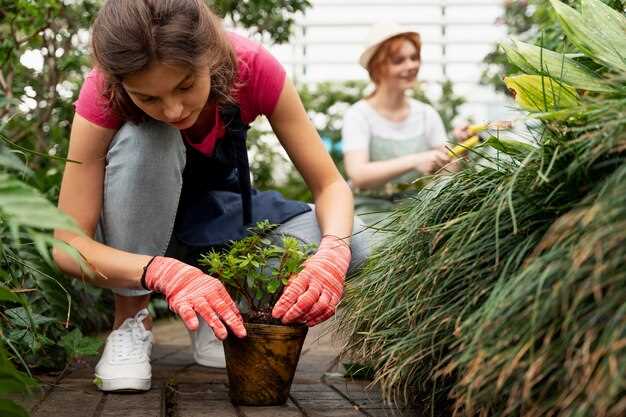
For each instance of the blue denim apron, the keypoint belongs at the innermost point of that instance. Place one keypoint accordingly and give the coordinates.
(217, 202)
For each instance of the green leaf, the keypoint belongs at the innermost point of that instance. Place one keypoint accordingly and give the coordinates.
(10, 409)
(12, 380)
(42, 243)
(612, 22)
(20, 317)
(76, 345)
(515, 57)
(25, 337)
(511, 147)
(23, 205)
(8, 160)
(75, 255)
(7, 295)
(273, 286)
(588, 33)
(537, 93)
(557, 66)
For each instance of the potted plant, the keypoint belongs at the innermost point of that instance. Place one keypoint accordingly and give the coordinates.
(260, 366)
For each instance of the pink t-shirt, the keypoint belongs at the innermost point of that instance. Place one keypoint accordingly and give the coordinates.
(260, 78)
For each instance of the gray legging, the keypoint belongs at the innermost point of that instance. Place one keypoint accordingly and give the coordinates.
(142, 185)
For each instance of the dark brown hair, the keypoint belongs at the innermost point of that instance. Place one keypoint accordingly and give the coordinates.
(378, 63)
(129, 35)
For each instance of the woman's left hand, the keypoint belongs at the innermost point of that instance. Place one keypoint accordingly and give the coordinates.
(462, 132)
(312, 295)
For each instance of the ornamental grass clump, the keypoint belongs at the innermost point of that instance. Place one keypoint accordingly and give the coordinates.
(551, 339)
(451, 245)
(502, 288)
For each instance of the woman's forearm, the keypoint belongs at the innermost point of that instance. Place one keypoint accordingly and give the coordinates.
(110, 268)
(334, 210)
(378, 173)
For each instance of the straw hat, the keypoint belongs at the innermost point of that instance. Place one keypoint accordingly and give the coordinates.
(378, 34)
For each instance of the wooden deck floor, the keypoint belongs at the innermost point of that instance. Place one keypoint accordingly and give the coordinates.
(181, 388)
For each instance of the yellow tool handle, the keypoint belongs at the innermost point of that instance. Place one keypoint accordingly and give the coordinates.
(477, 128)
(462, 147)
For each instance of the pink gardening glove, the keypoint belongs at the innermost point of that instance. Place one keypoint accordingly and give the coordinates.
(313, 294)
(188, 291)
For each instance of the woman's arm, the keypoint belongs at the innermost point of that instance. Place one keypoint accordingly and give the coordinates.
(81, 198)
(312, 295)
(365, 174)
(333, 198)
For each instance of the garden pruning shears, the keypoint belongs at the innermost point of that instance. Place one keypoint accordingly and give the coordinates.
(475, 138)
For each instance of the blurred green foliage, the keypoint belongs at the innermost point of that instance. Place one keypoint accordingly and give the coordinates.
(274, 18)
(12, 381)
(39, 305)
(531, 21)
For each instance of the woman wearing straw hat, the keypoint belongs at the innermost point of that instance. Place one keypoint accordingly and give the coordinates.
(390, 139)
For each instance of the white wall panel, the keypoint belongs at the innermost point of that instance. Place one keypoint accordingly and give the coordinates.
(456, 36)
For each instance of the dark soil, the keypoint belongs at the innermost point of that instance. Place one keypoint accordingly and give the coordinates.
(261, 317)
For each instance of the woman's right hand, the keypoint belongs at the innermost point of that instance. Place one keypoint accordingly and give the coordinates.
(431, 161)
(188, 291)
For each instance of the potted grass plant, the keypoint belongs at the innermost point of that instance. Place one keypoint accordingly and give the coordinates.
(254, 270)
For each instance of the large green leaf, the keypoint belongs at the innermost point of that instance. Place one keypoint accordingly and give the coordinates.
(8, 160)
(7, 295)
(589, 33)
(516, 58)
(537, 93)
(11, 380)
(555, 65)
(10, 409)
(612, 22)
(23, 205)
(21, 317)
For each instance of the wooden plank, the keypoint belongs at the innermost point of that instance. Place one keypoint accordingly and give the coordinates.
(146, 404)
(287, 410)
(201, 399)
(80, 397)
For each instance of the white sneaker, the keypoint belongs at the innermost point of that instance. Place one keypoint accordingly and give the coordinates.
(207, 349)
(125, 362)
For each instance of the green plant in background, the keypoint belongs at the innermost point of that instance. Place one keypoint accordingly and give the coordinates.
(534, 22)
(255, 270)
(502, 290)
(274, 18)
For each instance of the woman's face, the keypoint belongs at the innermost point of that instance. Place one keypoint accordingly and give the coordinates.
(402, 67)
(171, 94)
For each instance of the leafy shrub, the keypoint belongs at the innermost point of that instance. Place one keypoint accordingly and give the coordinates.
(255, 270)
(37, 318)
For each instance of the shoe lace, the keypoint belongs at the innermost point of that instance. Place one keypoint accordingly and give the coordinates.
(130, 339)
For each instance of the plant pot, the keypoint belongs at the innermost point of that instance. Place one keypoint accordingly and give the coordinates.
(261, 366)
